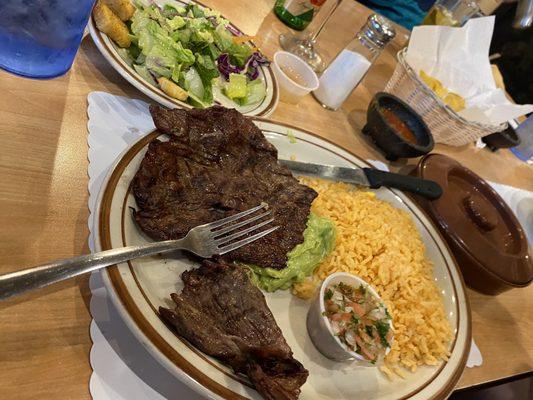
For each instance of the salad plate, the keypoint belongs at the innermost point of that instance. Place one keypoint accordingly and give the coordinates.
(214, 43)
(139, 287)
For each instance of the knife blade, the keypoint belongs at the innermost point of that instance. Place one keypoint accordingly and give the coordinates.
(370, 177)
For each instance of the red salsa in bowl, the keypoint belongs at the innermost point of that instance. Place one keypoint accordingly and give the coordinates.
(399, 125)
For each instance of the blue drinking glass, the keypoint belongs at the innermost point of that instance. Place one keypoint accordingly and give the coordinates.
(39, 38)
(524, 150)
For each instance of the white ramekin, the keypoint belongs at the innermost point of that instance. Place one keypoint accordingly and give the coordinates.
(319, 327)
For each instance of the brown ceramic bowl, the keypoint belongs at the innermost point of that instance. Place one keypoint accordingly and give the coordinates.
(487, 240)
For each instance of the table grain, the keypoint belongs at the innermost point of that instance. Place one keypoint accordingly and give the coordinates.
(44, 336)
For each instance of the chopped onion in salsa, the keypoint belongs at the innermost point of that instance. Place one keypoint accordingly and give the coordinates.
(358, 319)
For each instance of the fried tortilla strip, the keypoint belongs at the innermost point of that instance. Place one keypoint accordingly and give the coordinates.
(172, 89)
(108, 23)
(121, 8)
(454, 101)
(434, 84)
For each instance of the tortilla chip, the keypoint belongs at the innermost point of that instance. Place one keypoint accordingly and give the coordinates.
(454, 101)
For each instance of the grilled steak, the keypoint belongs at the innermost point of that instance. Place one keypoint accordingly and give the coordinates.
(223, 314)
(218, 163)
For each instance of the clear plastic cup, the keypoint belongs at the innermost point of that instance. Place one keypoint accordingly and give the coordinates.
(295, 77)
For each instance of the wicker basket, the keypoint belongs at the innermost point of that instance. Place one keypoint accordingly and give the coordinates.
(445, 124)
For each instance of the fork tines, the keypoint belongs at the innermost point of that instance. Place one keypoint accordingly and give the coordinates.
(223, 229)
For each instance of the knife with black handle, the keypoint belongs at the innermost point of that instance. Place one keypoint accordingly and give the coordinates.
(373, 178)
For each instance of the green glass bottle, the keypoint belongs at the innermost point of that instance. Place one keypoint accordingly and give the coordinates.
(297, 14)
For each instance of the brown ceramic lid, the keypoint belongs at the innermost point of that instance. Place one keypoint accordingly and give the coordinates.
(477, 220)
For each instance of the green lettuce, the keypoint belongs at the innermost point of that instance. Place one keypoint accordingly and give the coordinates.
(182, 35)
(238, 53)
(255, 92)
(319, 240)
(194, 10)
(160, 61)
(199, 24)
(208, 71)
(176, 73)
(183, 55)
(143, 72)
(173, 9)
(193, 83)
(223, 39)
(236, 87)
(125, 55)
(182, 44)
(176, 23)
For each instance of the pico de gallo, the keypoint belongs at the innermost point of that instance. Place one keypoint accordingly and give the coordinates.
(358, 319)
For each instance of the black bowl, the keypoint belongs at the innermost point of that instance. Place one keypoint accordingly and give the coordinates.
(387, 137)
(502, 140)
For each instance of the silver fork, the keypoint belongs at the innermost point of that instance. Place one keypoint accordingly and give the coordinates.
(206, 240)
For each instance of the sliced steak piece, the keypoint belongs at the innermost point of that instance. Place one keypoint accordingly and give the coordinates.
(222, 313)
(218, 163)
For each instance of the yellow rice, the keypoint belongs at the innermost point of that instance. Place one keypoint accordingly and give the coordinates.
(381, 244)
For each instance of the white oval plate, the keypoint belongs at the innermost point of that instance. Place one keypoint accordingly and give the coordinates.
(108, 49)
(139, 287)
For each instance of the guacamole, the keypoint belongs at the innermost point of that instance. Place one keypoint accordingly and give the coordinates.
(319, 240)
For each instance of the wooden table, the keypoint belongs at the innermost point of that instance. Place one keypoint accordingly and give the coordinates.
(44, 336)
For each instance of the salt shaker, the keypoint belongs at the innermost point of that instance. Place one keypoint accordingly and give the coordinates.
(350, 66)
